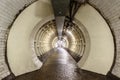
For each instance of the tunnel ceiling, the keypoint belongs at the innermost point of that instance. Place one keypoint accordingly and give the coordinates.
(110, 13)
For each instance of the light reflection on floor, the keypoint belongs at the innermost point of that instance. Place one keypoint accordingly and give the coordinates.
(59, 66)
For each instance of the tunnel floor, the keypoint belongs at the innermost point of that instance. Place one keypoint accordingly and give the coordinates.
(60, 66)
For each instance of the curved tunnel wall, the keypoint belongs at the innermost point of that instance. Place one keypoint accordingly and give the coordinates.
(25, 23)
(110, 9)
(9, 8)
(101, 54)
(8, 11)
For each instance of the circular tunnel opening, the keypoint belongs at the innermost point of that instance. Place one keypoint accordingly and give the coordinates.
(44, 38)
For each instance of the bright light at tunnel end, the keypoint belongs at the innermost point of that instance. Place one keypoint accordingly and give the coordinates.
(60, 43)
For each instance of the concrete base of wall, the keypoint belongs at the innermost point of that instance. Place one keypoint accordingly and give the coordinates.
(111, 76)
(9, 77)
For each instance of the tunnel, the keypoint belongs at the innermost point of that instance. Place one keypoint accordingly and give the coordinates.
(34, 47)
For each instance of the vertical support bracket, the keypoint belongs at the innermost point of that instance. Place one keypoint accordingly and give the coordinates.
(60, 8)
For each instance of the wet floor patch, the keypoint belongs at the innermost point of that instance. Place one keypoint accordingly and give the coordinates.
(60, 66)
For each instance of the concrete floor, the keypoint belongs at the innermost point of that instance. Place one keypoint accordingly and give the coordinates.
(60, 66)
